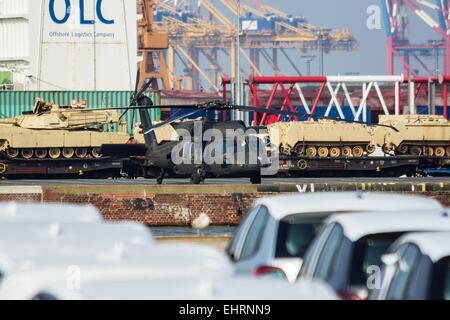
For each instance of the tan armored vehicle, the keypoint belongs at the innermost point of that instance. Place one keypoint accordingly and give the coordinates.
(417, 135)
(324, 138)
(52, 131)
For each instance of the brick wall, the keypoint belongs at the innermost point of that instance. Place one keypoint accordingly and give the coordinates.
(179, 205)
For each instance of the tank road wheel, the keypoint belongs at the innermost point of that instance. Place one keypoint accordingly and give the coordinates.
(403, 149)
(323, 152)
(429, 151)
(358, 151)
(370, 148)
(68, 153)
(54, 153)
(439, 152)
(13, 153)
(81, 152)
(386, 149)
(41, 153)
(299, 149)
(347, 152)
(27, 153)
(96, 153)
(311, 152)
(415, 151)
(335, 152)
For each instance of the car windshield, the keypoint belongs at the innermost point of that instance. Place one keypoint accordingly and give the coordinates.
(440, 280)
(295, 234)
(367, 255)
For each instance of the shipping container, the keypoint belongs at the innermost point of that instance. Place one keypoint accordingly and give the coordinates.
(14, 103)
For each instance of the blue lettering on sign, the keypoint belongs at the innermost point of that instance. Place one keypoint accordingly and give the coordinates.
(53, 15)
(100, 14)
(83, 19)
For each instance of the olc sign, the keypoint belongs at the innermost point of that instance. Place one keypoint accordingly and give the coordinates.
(83, 19)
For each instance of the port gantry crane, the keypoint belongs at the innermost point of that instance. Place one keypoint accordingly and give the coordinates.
(198, 36)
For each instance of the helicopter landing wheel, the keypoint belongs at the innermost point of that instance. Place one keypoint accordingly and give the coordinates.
(196, 178)
(256, 179)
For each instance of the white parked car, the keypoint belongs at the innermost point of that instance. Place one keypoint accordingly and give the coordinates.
(272, 238)
(416, 268)
(26, 276)
(13, 212)
(202, 288)
(347, 251)
(55, 237)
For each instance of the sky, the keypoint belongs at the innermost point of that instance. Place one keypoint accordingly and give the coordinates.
(371, 56)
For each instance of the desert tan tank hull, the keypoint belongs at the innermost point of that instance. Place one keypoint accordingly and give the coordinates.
(28, 144)
(417, 135)
(323, 138)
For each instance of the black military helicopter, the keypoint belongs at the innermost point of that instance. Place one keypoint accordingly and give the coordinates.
(158, 153)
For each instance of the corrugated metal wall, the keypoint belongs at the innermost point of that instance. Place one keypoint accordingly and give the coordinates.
(13, 7)
(14, 35)
(13, 103)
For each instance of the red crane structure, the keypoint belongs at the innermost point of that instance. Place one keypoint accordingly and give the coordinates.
(434, 14)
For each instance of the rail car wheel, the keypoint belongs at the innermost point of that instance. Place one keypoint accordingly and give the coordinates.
(41, 153)
(347, 152)
(311, 151)
(429, 151)
(439, 152)
(13, 153)
(27, 153)
(335, 152)
(323, 152)
(358, 151)
(96, 153)
(415, 151)
(81, 152)
(68, 153)
(54, 153)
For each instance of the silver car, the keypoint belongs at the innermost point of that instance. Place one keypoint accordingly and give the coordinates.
(274, 235)
(347, 252)
(416, 268)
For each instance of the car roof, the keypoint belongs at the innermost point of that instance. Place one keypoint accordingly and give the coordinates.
(74, 235)
(14, 212)
(284, 205)
(159, 263)
(436, 245)
(359, 224)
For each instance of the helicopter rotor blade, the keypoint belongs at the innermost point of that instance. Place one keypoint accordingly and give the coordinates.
(174, 119)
